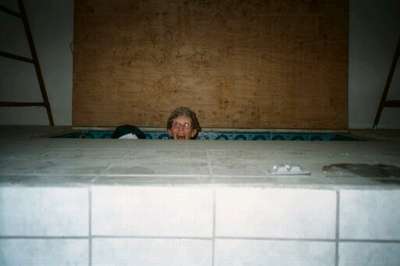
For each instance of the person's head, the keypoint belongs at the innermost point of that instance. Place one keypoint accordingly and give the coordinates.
(183, 124)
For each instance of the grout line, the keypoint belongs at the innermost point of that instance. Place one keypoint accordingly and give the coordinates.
(208, 238)
(371, 241)
(277, 239)
(150, 237)
(337, 228)
(90, 225)
(42, 237)
(209, 164)
(214, 212)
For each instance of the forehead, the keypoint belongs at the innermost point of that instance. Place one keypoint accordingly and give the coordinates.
(182, 119)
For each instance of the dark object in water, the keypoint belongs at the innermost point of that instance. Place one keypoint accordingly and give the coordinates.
(361, 170)
(126, 129)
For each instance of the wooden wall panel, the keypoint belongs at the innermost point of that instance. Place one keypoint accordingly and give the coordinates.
(238, 64)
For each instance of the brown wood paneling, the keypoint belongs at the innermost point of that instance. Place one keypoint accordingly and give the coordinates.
(238, 64)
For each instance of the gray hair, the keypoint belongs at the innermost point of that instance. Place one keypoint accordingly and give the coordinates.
(184, 111)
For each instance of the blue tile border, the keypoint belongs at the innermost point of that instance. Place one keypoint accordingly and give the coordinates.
(225, 135)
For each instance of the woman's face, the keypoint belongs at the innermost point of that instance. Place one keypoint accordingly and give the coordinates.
(182, 128)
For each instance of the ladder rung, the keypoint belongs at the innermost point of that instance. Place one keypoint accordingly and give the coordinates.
(9, 11)
(2, 104)
(392, 103)
(16, 57)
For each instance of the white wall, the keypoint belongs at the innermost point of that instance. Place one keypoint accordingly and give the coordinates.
(374, 29)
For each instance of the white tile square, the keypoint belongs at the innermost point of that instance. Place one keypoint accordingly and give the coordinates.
(55, 167)
(161, 162)
(152, 211)
(278, 213)
(152, 252)
(237, 163)
(367, 253)
(167, 166)
(72, 167)
(44, 252)
(370, 214)
(44, 211)
(233, 252)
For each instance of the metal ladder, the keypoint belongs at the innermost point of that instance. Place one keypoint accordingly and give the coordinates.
(34, 60)
(388, 103)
